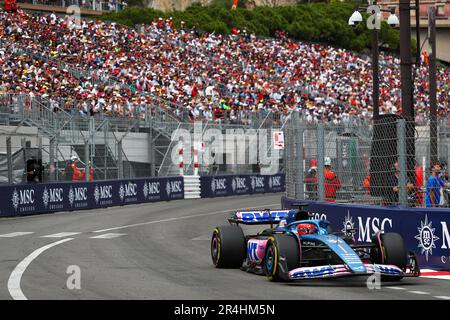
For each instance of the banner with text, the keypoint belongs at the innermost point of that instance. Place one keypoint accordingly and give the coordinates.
(26, 199)
(233, 185)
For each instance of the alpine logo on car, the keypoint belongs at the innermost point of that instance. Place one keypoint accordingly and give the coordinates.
(426, 237)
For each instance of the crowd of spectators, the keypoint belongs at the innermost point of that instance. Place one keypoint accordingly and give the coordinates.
(206, 75)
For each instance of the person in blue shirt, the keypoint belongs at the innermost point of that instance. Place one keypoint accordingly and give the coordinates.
(434, 185)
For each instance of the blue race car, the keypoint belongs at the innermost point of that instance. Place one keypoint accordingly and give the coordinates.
(299, 248)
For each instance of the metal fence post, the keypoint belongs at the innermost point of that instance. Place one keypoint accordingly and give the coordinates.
(402, 174)
(119, 159)
(86, 160)
(299, 189)
(320, 161)
(56, 158)
(105, 137)
(9, 156)
(152, 153)
(52, 159)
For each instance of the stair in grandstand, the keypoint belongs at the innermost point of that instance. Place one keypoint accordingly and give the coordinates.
(103, 160)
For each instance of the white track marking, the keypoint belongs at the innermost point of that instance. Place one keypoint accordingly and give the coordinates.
(395, 288)
(14, 234)
(202, 238)
(14, 279)
(437, 277)
(175, 219)
(109, 236)
(442, 297)
(61, 235)
(419, 292)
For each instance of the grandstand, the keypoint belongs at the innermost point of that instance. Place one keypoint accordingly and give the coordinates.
(77, 83)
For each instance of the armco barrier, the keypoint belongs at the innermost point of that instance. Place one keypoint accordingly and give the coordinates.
(27, 199)
(425, 230)
(231, 185)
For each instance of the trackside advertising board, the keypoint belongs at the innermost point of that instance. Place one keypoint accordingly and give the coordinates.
(425, 231)
(35, 198)
(233, 185)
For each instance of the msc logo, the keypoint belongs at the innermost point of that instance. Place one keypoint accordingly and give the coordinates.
(77, 194)
(348, 225)
(153, 187)
(426, 237)
(23, 197)
(238, 184)
(274, 182)
(121, 192)
(173, 187)
(130, 189)
(218, 184)
(52, 195)
(102, 192)
(257, 182)
(370, 227)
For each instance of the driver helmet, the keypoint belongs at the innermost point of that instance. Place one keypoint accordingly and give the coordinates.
(306, 228)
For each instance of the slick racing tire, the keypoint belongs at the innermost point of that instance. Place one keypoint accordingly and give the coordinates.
(391, 251)
(228, 247)
(284, 246)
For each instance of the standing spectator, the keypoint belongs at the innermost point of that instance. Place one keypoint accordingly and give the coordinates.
(332, 182)
(392, 188)
(311, 180)
(446, 191)
(366, 184)
(91, 172)
(434, 185)
(77, 175)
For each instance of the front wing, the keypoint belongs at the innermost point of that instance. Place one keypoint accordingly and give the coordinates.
(340, 270)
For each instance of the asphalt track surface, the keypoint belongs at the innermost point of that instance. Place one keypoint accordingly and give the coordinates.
(157, 251)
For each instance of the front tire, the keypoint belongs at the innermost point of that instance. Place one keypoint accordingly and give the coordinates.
(280, 245)
(228, 247)
(391, 250)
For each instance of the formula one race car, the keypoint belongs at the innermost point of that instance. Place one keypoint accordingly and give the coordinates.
(299, 248)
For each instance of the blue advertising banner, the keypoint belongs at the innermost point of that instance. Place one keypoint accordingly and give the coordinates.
(35, 198)
(232, 185)
(424, 230)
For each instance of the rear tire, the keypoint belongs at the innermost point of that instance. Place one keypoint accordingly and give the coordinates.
(394, 253)
(280, 245)
(228, 247)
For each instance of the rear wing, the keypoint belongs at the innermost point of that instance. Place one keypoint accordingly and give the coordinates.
(256, 217)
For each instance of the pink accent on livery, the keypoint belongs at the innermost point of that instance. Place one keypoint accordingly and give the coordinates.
(256, 250)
